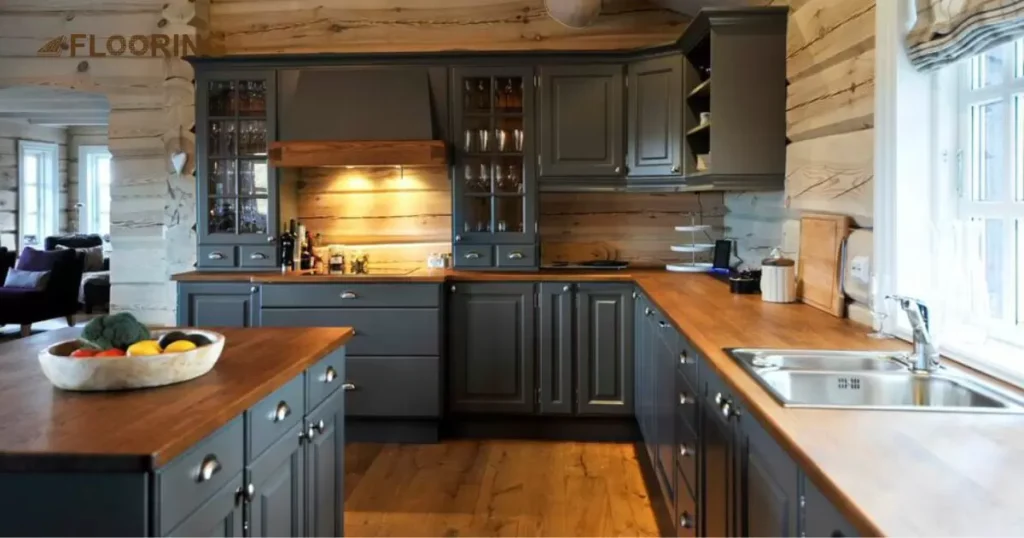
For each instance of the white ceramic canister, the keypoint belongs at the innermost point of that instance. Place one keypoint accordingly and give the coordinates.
(778, 279)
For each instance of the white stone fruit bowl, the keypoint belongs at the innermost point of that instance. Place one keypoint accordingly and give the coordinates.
(122, 373)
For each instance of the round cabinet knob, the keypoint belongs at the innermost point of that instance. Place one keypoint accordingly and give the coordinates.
(565, 288)
(687, 451)
(348, 387)
(683, 359)
(281, 412)
(250, 492)
(685, 399)
(310, 432)
(675, 169)
(718, 398)
(319, 426)
(330, 375)
(253, 289)
(686, 520)
(458, 237)
(648, 311)
(271, 239)
(453, 288)
(618, 169)
(208, 468)
(727, 410)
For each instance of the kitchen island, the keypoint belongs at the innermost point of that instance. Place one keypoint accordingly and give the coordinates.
(256, 444)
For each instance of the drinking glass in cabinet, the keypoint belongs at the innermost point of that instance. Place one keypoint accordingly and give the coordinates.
(222, 100)
(222, 216)
(474, 181)
(508, 177)
(508, 94)
(517, 137)
(477, 214)
(222, 178)
(252, 178)
(509, 210)
(501, 139)
(485, 177)
(252, 98)
(252, 137)
(483, 140)
(469, 140)
(476, 93)
(252, 216)
(222, 138)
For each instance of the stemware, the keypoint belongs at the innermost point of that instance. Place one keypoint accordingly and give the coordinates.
(517, 139)
(484, 136)
(879, 313)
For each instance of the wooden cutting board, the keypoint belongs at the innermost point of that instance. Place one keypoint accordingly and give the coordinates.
(820, 264)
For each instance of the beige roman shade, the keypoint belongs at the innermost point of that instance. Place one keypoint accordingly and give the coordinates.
(950, 30)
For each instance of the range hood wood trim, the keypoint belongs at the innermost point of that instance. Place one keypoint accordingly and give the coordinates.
(299, 154)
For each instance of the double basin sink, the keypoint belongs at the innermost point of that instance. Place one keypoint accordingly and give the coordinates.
(869, 380)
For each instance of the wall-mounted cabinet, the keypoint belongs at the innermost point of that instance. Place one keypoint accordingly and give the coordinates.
(654, 118)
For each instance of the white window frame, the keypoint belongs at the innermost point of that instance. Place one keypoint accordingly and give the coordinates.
(48, 191)
(918, 172)
(88, 190)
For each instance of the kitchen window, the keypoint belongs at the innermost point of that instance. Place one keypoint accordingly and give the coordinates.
(94, 190)
(38, 192)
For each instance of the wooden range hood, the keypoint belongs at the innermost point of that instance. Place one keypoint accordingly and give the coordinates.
(301, 154)
(369, 116)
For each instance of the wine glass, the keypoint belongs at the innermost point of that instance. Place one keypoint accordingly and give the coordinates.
(879, 313)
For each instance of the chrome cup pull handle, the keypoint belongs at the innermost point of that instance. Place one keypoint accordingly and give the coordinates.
(215, 256)
(281, 412)
(349, 387)
(515, 255)
(209, 467)
(472, 255)
(348, 295)
(257, 256)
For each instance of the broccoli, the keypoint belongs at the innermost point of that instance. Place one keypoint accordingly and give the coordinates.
(116, 330)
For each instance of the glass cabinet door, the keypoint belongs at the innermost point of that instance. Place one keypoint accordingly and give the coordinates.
(237, 187)
(494, 190)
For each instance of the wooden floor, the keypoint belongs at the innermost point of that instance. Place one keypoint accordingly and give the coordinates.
(496, 488)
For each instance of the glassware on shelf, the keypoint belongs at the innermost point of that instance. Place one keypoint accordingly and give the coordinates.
(485, 177)
(252, 178)
(252, 98)
(222, 99)
(500, 179)
(468, 140)
(517, 137)
(878, 311)
(509, 214)
(252, 216)
(515, 178)
(222, 178)
(483, 140)
(222, 216)
(252, 138)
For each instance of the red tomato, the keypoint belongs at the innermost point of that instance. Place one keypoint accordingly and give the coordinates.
(110, 353)
(84, 352)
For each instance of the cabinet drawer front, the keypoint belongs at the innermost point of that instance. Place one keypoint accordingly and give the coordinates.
(274, 415)
(351, 295)
(687, 445)
(687, 400)
(686, 513)
(196, 475)
(393, 387)
(257, 256)
(516, 256)
(379, 331)
(473, 256)
(217, 256)
(325, 377)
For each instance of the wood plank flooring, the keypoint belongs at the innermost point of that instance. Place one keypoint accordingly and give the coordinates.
(496, 488)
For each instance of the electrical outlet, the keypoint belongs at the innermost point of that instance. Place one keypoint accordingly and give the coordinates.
(860, 268)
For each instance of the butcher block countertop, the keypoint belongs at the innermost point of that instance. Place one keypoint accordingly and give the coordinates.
(890, 472)
(43, 428)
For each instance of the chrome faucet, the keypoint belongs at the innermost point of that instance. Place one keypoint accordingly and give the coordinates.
(926, 356)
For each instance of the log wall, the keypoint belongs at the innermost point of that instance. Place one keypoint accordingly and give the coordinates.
(152, 113)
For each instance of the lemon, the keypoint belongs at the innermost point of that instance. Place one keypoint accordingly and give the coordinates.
(179, 346)
(143, 348)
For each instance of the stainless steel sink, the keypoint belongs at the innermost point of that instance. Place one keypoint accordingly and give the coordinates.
(869, 380)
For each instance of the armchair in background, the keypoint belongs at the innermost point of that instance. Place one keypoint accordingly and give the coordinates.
(59, 297)
(94, 290)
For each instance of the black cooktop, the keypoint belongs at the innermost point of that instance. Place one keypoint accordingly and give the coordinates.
(589, 264)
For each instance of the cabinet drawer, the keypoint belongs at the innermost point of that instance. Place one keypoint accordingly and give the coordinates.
(379, 331)
(393, 387)
(274, 415)
(325, 377)
(351, 295)
(686, 402)
(196, 475)
(516, 256)
(686, 513)
(217, 256)
(687, 444)
(257, 255)
(473, 256)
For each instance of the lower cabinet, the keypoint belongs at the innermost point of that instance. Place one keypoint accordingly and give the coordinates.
(217, 304)
(325, 469)
(576, 338)
(221, 516)
(771, 488)
(820, 517)
(278, 479)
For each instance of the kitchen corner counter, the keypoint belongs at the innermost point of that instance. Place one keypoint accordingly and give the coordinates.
(420, 275)
(45, 429)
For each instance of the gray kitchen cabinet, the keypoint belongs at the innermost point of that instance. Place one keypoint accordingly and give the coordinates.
(491, 343)
(664, 409)
(236, 120)
(721, 499)
(221, 516)
(325, 470)
(604, 344)
(820, 517)
(217, 304)
(581, 121)
(555, 348)
(771, 488)
(278, 477)
(654, 118)
(494, 198)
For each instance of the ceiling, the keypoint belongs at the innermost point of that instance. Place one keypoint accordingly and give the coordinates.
(41, 105)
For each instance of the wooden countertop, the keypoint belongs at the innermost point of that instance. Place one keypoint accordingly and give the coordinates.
(890, 472)
(43, 428)
(419, 275)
